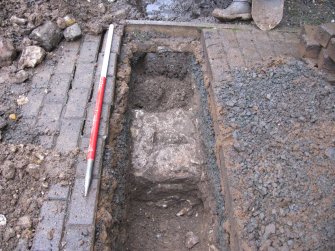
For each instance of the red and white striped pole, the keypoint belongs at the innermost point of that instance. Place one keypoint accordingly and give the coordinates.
(97, 111)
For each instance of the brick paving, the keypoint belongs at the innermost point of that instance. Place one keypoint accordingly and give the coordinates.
(227, 49)
(62, 103)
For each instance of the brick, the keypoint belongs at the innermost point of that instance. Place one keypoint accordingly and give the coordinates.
(263, 44)
(82, 209)
(325, 62)
(58, 88)
(47, 125)
(67, 62)
(58, 192)
(89, 49)
(309, 30)
(83, 77)
(247, 46)
(228, 39)
(112, 64)
(46, 141)
(49, 230)
(76, 105)
(79, 237)
(331, 49)
(308, 47)
(81, 167)
(116, 43)
(109, 90)
(69, 135)
(82, 164)
(32, 108)
(41, 77)
(51, 111)
(324, 33)
(235, 58)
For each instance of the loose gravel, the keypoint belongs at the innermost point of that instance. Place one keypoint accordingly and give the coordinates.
(281, 116)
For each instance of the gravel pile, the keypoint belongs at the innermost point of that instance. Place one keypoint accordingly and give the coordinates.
(281, 116)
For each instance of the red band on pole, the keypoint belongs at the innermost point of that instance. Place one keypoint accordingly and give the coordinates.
(96, 119)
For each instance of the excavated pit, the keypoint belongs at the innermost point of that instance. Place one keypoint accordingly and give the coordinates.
(163, 190)
(166, 197)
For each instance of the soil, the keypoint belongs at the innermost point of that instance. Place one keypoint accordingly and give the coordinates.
(281, 155)
(26, 174)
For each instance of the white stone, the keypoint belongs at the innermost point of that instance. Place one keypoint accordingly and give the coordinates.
(31, 56)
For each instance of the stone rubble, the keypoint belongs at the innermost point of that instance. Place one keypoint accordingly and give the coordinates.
(47, 35)
(31, 56)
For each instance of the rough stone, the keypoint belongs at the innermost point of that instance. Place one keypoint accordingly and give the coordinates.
(324, 33)
(179, 159)
(31, 56)
(72, 32)
(191, 240)
(24, 222)
(17, 20)
(47, 35)
(269, 229)
(33, 170)
(308, 47)
(8, 170)
(331, 49)
(325, 62)
(20, 77)
(7, 52)
(3, 220)
(9, 233)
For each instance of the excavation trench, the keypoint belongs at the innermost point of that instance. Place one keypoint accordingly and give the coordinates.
(167, 195)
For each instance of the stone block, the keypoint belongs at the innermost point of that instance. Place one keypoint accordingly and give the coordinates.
(324, 33)
(69, 135)
(309, 47)
(331, 49)
(325, 62)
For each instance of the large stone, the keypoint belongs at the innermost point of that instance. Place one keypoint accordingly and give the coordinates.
(324, 33)
(31, 56)
(331, 49)
(165, 148)
(47, 35)
(7, 52)
(325, 62)
(72, 32)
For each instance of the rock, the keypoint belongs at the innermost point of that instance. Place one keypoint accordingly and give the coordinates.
(22, 100)
(24, 221)
(191, 240)
(8, 170)
(3, 220)
(9, 233)
(330, 153)
(3, 123)
(72, 32)
(7, 52)
(269, 229)
(94, 28)
(101, 8)
(61, 23)
(33, 170)
(17, 20)
(121, 14)
(20, 77)
(12, 116)
(31, 56)
(69, 20)
(47, 35)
